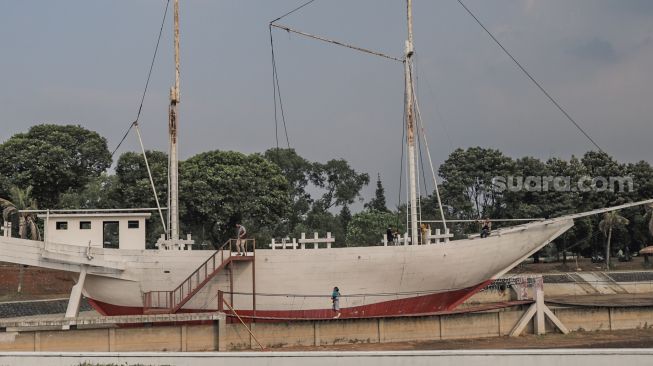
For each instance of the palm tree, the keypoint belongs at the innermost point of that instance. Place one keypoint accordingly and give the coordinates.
(20, 200)
(609, 222)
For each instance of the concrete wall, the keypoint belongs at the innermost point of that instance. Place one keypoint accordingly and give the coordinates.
(573, 357)
(223, 337)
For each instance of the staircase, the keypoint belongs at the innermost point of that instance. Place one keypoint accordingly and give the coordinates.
(169, 302)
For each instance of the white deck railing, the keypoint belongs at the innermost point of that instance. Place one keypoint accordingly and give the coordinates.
(431, 238)
(315, 241)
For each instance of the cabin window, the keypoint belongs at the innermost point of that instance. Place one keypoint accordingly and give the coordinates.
(132, 224)
(84, 225)
(62, 225)
(110, 234)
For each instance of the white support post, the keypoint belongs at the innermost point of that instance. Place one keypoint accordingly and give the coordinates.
(72, 311)
(328, 240)
(315, 244)
(539, 305)
(447, 235)
(6, 229)
(303, 241)
(538, 310)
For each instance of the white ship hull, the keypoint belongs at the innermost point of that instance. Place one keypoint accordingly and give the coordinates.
(297, 283)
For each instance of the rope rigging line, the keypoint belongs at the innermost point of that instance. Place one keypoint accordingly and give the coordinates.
(149, 174)
(401, 160)
(292, 11)
(147, 82)
(275, 82)
(277, 91)
(428, 153)
(530, 77)
(319, 38)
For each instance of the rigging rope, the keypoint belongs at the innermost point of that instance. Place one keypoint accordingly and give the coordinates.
(149, 174)
(147, 82)
(277, 91)
(292, 11)
(428, 153)
(275, 82)
(530, 76)
(319, 38)
(401, 160)
(138, 115)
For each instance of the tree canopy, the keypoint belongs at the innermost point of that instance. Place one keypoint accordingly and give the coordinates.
(53, 159)
(221, 188)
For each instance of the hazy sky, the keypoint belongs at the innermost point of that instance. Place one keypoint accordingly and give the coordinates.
(85, 62)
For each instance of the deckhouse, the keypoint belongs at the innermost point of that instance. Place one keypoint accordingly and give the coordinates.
(118, 230)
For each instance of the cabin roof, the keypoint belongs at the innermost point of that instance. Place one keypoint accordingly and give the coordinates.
(89, 215)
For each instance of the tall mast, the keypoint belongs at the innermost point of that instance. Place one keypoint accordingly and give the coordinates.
(172, 131)
(410, 124)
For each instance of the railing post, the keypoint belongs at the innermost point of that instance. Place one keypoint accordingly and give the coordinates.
(220, 301)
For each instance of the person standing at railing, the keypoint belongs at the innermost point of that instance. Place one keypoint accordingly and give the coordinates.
(241, 236)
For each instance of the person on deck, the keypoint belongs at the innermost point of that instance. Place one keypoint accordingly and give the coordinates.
(486, 227)
(241, 235)
(423, 232)
(335, 299)
(389, 236)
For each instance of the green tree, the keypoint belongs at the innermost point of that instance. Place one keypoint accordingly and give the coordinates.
(345, 218)
(378, 202)
(468, 188)
(611, 220)
(20, 200)
(297, 171)
(97, 193)
(322, 222)
(600, 164)
(131, 187)
(53, 159)
(368, 227)
(221, 188)
(341, 183)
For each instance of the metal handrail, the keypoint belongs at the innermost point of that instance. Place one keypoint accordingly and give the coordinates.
(176, 296)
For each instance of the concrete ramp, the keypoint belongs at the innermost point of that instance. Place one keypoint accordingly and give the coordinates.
(600, 282)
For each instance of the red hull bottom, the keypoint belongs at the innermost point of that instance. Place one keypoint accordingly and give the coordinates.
(433, 303)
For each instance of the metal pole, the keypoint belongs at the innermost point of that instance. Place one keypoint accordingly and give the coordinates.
(172, 131)
(410, 121)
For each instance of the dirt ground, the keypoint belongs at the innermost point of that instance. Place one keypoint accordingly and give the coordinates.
(636, 338)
